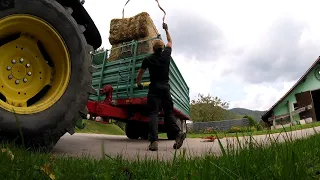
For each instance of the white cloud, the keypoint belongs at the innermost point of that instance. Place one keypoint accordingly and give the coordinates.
(244, 25)
(261, 97)
(198, 75)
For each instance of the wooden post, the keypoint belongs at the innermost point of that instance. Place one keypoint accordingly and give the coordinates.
(290, 112)
(274, 123)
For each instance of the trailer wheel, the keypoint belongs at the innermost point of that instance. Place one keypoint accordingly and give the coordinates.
(171, 136)
(45, 72)
(132, 130)
(184, 128)
(182, 125)
(144, 130)
(144, 136)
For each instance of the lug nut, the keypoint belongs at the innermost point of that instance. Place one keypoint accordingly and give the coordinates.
(13, 61)
(25, 80)
(21, 60)
(29, 73)
(9, 68)
(28, 65)
(10, 76)
(17, 81)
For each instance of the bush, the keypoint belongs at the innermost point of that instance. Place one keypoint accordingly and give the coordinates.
(209, 130)
(254, 123)
(122, 125)
(259, 127)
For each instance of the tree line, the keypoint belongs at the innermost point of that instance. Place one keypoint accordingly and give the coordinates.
(210, 108)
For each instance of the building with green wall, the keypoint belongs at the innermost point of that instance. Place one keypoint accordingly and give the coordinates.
(304, 92)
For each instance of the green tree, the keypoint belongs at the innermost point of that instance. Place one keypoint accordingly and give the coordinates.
(208, 99)
(210, 108)
(254, 123)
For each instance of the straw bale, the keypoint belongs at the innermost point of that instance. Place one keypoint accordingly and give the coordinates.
(144, 47)
(133, 28)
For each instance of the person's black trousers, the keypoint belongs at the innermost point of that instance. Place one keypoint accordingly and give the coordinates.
(159, 94)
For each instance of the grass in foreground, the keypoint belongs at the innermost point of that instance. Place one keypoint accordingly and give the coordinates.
(290, 160)
(100, 128)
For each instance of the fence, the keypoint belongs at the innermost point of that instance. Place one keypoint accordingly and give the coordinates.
(218, 125)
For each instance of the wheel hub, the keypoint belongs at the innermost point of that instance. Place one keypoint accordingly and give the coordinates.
(25, 68)
(21, 84)
(18, 71)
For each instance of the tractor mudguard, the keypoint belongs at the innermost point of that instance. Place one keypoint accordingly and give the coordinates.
(82, 17)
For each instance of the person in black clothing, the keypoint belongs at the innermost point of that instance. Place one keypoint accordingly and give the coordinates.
(159, 91)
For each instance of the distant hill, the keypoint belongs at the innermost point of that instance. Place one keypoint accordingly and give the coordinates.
(256, 115)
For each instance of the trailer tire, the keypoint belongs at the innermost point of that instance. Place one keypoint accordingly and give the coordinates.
(42, 127)
(171, 136)
(145, 136)
(144, 130)
(132, 130)
(182, 125)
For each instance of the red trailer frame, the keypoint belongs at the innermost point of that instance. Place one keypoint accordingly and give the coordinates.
(119, 109)
(115, 112)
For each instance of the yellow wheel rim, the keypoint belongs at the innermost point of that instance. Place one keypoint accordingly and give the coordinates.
(34, 64)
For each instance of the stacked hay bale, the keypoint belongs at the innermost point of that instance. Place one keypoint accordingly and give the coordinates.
(139, 27)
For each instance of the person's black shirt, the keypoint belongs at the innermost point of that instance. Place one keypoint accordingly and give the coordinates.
(158, 64)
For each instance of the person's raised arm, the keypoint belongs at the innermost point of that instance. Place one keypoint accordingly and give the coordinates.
(165, 27)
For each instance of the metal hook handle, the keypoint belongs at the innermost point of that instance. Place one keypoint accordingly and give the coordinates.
(123, 9)
(164, 16)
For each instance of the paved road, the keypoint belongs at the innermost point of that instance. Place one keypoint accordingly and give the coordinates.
(91, 145)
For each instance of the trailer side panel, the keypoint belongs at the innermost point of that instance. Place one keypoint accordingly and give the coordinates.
(121, 75)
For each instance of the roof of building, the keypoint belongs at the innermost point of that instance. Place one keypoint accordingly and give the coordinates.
(264, 116)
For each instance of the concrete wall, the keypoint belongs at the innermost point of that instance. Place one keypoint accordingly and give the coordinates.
(311, 83)
(218, 125)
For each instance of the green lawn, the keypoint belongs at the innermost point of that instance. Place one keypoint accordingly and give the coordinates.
(292, 128)
(100, 128)
(225, 134)
(290, 160)
(112, 129)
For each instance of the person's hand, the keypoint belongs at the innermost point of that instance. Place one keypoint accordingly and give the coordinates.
(140, 86)
(165, 26)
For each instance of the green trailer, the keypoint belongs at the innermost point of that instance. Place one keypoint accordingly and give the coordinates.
(118, 96)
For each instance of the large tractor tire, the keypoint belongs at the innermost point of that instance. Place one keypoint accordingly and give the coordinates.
(45, 77)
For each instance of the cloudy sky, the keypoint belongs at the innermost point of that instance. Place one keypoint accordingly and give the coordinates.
(247, 52)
